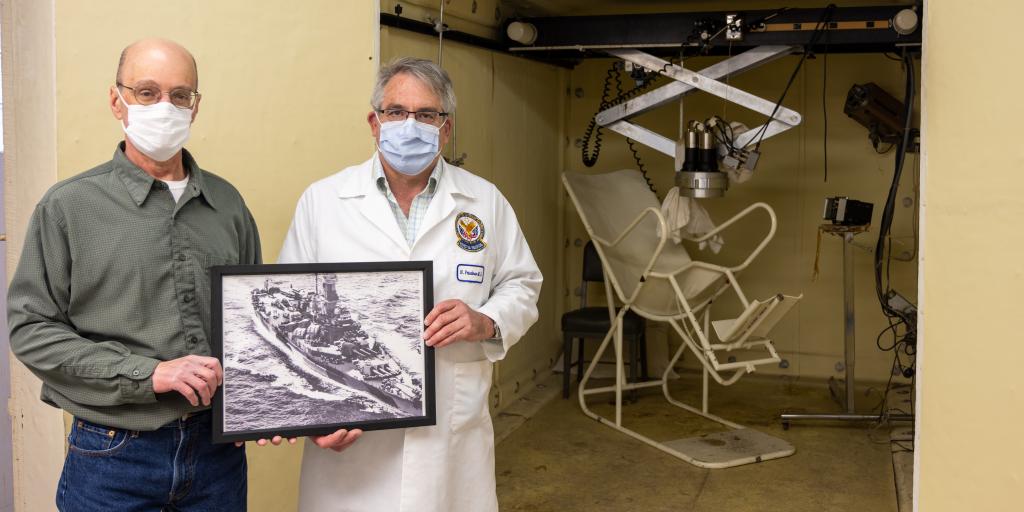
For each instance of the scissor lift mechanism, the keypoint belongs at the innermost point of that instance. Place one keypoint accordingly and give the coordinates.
(684, 82)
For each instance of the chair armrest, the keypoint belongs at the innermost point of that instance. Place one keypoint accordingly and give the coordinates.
(746, 211)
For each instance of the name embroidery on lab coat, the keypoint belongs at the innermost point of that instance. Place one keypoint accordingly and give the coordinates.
(469, 273)
(470, 231)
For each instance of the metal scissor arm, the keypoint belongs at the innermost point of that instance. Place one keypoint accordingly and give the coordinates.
(686, 81)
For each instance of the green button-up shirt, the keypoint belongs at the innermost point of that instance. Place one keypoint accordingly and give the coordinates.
(113, 279)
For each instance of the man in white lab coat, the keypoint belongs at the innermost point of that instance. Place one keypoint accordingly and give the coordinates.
(407, 203)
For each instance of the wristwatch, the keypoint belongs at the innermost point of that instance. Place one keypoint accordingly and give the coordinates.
(497, 331)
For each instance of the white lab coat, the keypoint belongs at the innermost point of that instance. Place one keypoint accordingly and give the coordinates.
(448, 467)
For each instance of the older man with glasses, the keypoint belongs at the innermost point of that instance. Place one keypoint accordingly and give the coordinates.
(407, 203)
(110, 303)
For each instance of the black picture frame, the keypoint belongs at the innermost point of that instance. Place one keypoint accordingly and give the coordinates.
(295, 364)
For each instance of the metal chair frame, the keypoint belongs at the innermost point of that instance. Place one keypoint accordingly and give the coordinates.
(692, 323)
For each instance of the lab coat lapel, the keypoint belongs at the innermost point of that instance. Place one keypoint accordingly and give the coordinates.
(443, 204)
(375, 209)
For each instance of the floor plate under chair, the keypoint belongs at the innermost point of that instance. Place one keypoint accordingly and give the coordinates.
(729, 447)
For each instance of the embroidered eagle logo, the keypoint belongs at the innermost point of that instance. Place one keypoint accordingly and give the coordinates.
(470, 232)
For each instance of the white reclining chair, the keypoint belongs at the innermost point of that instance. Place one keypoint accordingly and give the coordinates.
(659, 281)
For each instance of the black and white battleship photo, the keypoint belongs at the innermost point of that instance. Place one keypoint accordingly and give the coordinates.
(302, 349)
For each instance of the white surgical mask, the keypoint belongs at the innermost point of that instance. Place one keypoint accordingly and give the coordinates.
(159, 130)
(409, 146)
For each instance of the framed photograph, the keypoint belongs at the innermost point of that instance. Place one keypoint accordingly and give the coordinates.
(311, 348)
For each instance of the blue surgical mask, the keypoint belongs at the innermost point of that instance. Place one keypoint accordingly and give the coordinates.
(409, 146)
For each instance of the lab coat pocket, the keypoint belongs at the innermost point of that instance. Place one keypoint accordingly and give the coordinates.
(469, 401)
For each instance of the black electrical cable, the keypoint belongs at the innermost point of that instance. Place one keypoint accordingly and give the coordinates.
(902, 345)
(723, 133)
(886, 150)
(885, 224)
(896, 369)
(757, 25)
(594, 132)
(826, 17)
(888, 386)
(893, 327)
(590, 158)
(824, 103)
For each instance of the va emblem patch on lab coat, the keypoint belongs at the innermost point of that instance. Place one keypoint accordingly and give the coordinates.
(470, 231)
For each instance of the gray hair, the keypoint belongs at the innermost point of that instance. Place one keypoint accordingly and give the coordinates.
(426, 71)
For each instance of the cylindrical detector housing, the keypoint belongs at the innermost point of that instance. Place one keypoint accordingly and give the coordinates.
(702, 184)
(692, 150)
(708, 158)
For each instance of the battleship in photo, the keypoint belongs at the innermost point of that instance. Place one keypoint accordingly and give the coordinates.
(318, 327)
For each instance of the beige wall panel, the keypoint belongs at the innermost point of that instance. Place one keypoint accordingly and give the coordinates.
(790, 178)
(970, 404)
(30, 168)
(285, 88)
(508, 124)
(470, 70)
(524, 120)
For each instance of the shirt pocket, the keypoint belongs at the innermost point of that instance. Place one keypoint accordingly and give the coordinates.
(96, 440)
(469, 400)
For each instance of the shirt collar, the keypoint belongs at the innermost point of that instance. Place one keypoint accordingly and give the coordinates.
(140, 183)
(385, 188)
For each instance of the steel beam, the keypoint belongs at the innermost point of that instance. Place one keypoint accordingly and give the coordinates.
(852, 30)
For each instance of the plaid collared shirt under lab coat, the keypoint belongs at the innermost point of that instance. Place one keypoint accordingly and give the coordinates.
(411, 224)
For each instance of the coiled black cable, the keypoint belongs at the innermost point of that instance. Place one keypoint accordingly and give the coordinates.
(613, 83)
(590, 157)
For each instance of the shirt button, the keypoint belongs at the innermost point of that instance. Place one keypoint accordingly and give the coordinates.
(187, 297)
(182, 257)
(135, 373)
(191, 339)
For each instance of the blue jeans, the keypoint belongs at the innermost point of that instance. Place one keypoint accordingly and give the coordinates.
(174, 468)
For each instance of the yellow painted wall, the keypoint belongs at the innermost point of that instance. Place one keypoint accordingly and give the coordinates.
(285, 89)
(970, 402)
(508, 123)
(29, 169)
(790, 178)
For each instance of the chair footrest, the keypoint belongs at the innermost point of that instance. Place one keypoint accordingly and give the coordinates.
(756, 321)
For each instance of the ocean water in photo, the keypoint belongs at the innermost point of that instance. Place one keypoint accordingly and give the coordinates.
(268, 384)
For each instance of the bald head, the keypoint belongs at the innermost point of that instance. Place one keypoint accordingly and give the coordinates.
(143, 57)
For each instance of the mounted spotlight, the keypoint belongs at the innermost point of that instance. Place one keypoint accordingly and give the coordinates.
(879, 112)
(522, 33)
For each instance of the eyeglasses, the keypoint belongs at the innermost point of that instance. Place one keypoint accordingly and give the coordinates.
(149, 94)
(423, 116)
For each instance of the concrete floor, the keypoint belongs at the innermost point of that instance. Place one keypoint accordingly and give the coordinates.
(560, 460)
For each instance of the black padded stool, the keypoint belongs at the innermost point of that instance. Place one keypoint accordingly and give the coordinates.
(593, 323)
